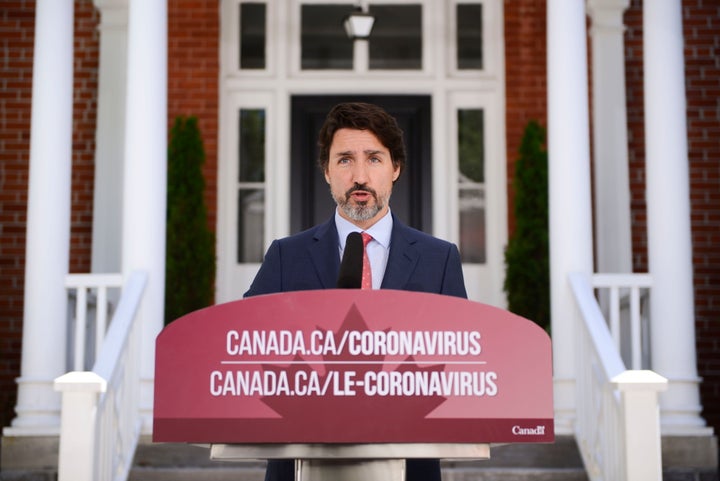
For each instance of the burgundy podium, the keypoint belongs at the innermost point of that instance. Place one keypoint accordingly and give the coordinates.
(350, 383)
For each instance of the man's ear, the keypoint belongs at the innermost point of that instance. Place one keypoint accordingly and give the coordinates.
(396, 173)
(327, 176)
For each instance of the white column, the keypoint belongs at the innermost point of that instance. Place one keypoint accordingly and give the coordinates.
(613, 242)
(668, 210)
(110, 137)
(48, 222)
(146, 175)
(569, 188)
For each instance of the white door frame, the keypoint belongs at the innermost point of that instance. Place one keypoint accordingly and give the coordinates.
(272, 88)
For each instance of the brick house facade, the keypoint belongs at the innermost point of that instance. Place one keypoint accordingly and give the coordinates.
(193, 70)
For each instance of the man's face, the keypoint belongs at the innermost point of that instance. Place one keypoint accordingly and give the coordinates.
(361, 174)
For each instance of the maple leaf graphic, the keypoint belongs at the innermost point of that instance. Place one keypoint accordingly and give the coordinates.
(325, 413)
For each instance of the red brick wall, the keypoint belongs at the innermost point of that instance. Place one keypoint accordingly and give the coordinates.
(85, 86)
(525, 77)
(17, 22)
(636, 134)
(702, 69)
(193, 76)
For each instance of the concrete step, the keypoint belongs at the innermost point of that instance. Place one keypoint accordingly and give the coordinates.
(207, 473)
(515, 474)
(559, 461)
(684, 459)
(242, 474)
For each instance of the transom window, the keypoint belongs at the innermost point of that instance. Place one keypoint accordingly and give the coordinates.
(323, 42)
(396, 42)
(469, 36)
(252, 35)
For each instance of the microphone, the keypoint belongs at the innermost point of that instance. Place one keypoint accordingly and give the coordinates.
(350, 275)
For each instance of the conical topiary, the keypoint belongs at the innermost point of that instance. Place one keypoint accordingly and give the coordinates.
(190, 256)
(527, 277)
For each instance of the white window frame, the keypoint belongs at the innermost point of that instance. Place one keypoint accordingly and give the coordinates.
(491, 30)
(232, 275)
(230, 40)
(485, 277)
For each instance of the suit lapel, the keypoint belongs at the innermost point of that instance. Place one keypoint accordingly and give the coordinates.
(326, 266)
(401, 264)
(402, 259)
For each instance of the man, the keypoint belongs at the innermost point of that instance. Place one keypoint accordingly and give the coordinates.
(362, 155)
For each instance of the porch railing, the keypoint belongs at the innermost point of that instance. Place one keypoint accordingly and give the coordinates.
(100, 420)
(623, 299)
(89, 315)
(617, 426)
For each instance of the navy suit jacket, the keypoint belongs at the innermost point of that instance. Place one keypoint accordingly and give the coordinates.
(311, 260)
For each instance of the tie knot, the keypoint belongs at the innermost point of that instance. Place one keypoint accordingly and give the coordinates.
(366, 238)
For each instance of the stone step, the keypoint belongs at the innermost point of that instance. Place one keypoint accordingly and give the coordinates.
(559, 461)
(563, 453)
(456, 474)
(684, 459)
(515, 474)
(207, 473)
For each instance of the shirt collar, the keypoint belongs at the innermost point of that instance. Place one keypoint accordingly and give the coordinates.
(380, 231)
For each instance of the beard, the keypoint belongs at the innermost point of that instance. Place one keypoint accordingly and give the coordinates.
(361, 211)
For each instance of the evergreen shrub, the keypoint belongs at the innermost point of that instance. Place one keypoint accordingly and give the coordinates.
(190, 248)
(527, 257)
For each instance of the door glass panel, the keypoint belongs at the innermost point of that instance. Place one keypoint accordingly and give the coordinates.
(471, 185)
(252, 35)
(251, 215)
(469, 36)
(252, 145)
(251, 187)
(472, 225)
(323, 41)
(396, 38)
(471, 145)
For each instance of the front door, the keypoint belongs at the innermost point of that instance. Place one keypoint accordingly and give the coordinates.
(311, 202)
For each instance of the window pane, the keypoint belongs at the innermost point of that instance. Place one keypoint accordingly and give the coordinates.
(471, 188)
(469, 36)
(471, 144)
(251, 225)
(252, 35)
(396, 38)
(472, 226)
(323, 40)
(252, 146)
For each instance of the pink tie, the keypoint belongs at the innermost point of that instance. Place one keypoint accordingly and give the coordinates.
(366, 273)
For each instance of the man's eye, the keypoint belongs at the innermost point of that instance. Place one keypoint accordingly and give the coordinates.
(344, 160)
(375, 160)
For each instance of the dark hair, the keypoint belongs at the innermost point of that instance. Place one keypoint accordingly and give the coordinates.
(362, 116)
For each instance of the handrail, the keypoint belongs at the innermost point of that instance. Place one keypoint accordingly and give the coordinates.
(617, 423)
(100, 420)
